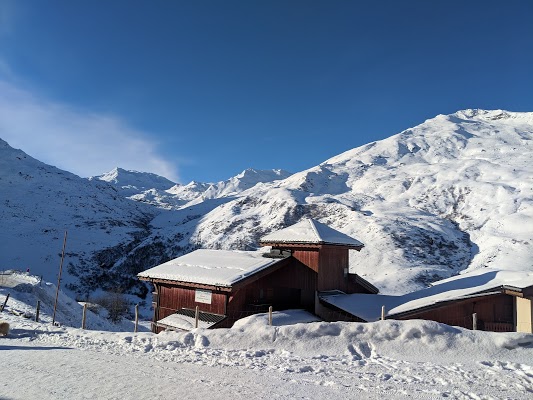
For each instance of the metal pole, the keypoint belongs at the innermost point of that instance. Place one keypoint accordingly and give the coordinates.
(5, 302)
(196, 317)
(84, 315)
(474, 321)
(136, 318)
(383, 313)
(59, 277)
(270, 315)
(37, 310)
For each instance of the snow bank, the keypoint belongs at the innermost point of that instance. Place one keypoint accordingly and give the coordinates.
(386, 359)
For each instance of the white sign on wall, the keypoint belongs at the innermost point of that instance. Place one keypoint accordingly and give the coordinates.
(202, 296)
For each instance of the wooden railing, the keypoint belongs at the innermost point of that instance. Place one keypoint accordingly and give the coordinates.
(498, 327)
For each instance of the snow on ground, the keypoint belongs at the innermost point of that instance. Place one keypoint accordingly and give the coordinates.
(389, 359)
(25, 290)
(294, 358)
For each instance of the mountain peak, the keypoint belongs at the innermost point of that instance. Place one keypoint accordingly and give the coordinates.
(135, 181)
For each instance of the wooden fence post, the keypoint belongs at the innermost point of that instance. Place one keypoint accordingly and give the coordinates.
(270, 315)
(136, 318)
(5, 302)
(59, 277)
(196, 317)
(474, 321)
(383, 313)
(37, 310)
(83, 316)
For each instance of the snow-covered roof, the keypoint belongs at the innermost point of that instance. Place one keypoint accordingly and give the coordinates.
(211, 267)
(309, 231)
(185, 320)
(479, 282)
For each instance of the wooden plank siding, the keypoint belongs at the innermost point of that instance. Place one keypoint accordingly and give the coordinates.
(309, 256)
(292, 286)
(333, 261)
(172, 298)
(492, 309)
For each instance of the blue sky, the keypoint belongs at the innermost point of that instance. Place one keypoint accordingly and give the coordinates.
(204, 89)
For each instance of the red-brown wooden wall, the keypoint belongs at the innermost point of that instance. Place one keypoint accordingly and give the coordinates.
(489, 309)
(173, 298)
(333, 261)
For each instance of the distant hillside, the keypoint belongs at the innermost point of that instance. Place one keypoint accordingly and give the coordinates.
(452, 193)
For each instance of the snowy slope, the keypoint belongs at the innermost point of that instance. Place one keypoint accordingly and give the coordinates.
(450, 194)
(40, 202)
(25, 290)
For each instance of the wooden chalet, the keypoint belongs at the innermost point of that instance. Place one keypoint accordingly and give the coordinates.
(304, 260)
(501, 301)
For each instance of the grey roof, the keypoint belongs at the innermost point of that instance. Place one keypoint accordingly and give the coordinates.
(309, 231)
(211, 267)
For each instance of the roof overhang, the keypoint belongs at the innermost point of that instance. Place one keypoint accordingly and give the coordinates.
(309, 245)
(193, 285)
(336, 308)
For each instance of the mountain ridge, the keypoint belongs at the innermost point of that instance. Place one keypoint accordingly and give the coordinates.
(451, 194)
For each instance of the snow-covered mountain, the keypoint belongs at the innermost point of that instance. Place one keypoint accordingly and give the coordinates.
(134, 182)
(245, 180)
(163, 193)
(451, 194)
(40, 202)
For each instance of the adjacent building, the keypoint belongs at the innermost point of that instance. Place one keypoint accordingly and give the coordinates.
(486, 299)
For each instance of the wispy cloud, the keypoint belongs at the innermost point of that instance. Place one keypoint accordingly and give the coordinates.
(78, 141)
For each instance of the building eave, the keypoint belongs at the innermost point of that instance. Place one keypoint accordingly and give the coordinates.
(301, 244)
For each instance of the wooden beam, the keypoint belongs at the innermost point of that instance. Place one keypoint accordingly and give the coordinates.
(289, 245)
(513, 293)
(188, 285)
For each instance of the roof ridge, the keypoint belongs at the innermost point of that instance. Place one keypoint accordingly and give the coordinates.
(315, 230)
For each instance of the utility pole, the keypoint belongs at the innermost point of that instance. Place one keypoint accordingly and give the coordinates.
(59, 277)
